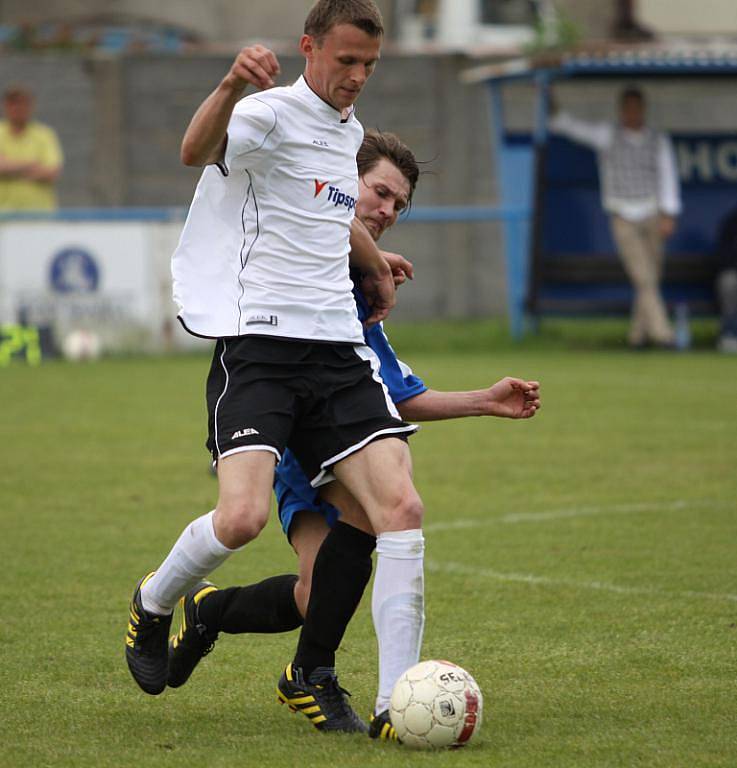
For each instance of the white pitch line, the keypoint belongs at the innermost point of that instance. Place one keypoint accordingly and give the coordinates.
(528, 578)
(613, 509)
(635, 508)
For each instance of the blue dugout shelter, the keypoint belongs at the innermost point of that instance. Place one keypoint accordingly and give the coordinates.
(559, 252)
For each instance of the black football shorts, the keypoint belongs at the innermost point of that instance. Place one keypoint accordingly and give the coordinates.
(324, 401)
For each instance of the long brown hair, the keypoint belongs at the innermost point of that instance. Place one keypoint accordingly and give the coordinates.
(377, 145)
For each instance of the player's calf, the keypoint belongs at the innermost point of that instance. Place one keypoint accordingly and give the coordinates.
(397, 606)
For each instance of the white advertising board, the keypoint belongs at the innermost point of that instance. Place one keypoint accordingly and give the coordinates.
(108, 277)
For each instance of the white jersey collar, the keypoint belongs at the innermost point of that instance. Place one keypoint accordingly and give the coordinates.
(329, 112)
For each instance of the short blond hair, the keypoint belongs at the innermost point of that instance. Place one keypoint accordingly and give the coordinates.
(326, 14)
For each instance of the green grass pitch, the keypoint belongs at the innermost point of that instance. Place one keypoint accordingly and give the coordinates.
(581, 565)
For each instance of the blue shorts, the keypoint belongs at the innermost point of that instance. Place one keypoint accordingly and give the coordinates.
(291, 503)
(294, 494)
(293, 490)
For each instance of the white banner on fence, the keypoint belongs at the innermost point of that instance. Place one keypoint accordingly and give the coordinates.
(108, 277)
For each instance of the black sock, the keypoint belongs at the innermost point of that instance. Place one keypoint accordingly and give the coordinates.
(268, 606)
(342, 570)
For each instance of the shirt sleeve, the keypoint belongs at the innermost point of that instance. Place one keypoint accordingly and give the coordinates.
(669, 188)
(412, 385)
(597, 136)
(397, 376)
(251, 134)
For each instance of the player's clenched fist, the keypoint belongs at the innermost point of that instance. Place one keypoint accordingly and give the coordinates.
(254, 65)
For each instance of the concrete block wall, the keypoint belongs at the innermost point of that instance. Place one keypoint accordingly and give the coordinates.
(213, 21)
(121, 121)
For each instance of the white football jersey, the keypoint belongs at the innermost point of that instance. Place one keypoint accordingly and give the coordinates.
(265, 246)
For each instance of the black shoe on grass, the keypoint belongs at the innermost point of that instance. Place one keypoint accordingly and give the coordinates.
(321, 699)
(380, 727)
(146, 644)
(193, 641)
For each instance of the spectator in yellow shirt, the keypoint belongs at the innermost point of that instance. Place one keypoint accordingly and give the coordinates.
(31, 158)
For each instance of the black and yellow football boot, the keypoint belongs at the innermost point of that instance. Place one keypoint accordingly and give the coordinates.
(321, 699)
(380, 727)
(146, 644)
(193, 641)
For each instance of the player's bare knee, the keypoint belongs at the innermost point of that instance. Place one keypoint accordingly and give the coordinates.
(405, 515)
(237, 524)
(413, 512)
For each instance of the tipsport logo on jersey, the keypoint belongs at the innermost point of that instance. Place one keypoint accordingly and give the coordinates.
(335, 195)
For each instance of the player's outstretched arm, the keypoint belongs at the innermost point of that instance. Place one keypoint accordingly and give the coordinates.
(204, 139)
(509, 398)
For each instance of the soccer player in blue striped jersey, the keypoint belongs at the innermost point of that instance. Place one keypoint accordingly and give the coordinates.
(388, 173)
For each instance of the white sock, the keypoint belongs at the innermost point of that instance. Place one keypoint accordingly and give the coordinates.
(397, 605)
(196, 554)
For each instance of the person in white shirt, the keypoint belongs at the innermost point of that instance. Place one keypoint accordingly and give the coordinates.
(262, 266)
(388, 174)
(641, 193)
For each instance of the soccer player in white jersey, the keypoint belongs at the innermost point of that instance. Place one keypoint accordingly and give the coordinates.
(388, 173)
(262, 265)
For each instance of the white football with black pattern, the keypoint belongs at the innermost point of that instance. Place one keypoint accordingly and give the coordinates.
(436, 704)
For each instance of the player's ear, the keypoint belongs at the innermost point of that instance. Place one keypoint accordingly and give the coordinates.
(307, 45)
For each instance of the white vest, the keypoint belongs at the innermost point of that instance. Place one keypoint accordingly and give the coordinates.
(265, 246)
